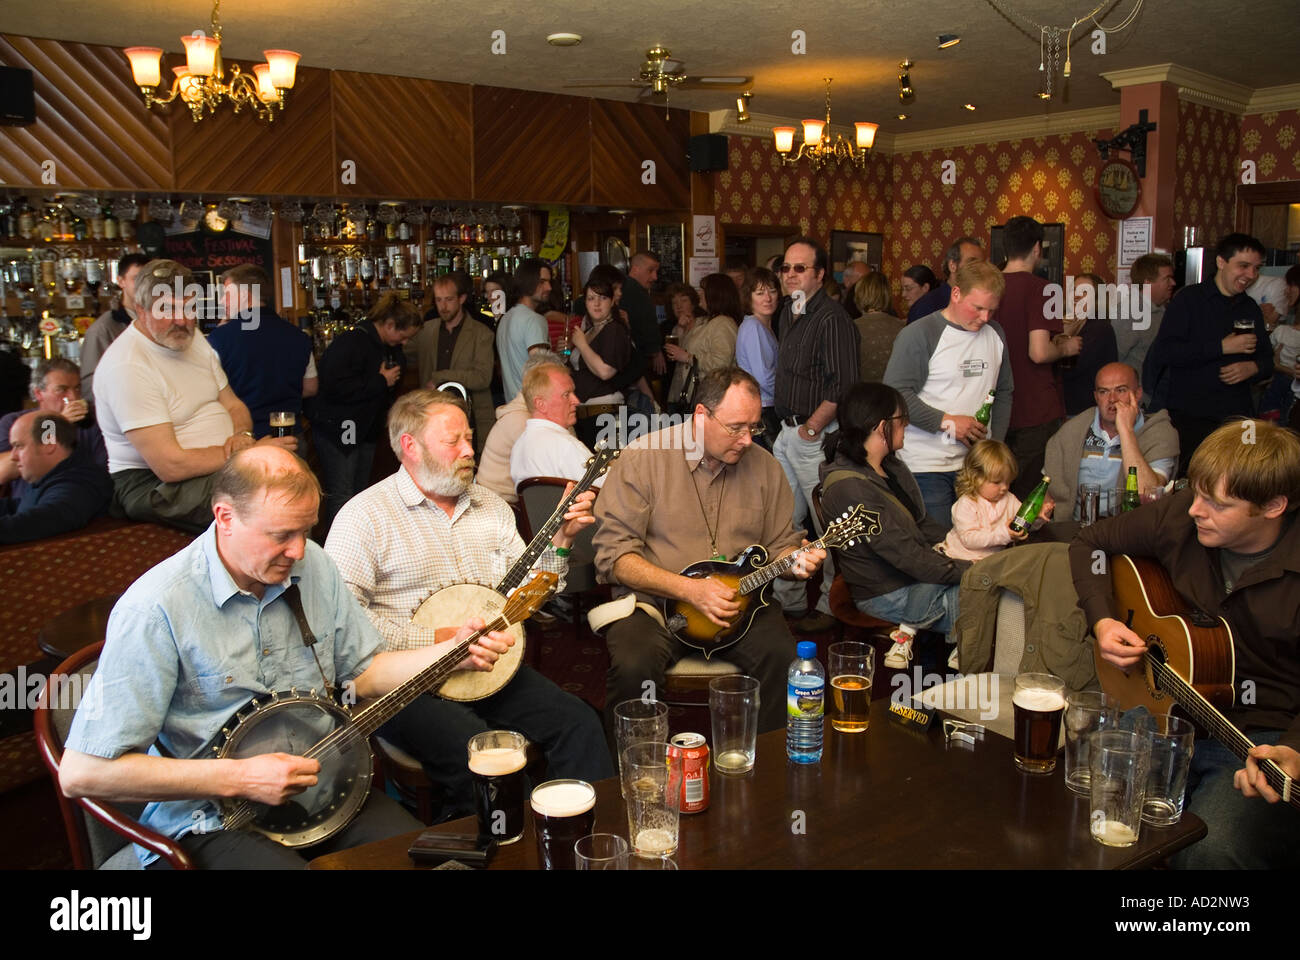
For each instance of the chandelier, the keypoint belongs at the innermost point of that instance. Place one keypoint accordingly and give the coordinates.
(201, 83)
(818, 148)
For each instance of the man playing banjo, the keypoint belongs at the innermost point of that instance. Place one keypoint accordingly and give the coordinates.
(429, 526)
(210, 628)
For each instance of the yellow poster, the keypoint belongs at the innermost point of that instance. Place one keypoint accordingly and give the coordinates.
(557, 233)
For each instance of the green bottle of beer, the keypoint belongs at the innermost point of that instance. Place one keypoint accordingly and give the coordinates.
(1032, 506)
(985, 413)
(1131, 499)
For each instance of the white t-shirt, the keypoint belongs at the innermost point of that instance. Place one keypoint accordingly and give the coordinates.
(546, 449)
(1289, 337)
(963, 369)
(519, 329)
(140, 384)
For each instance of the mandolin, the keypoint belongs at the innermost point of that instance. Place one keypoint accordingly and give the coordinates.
(454, 604)
(315, 726)
(1189, 661)
(751, 576)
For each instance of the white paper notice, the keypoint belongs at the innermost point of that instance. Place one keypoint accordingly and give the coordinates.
(706, 236)
(1134, 239)
(701, 267)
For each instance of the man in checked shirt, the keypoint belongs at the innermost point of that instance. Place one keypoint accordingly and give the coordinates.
(429, 526)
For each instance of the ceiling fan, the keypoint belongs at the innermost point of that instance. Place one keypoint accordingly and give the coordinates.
(659, 74)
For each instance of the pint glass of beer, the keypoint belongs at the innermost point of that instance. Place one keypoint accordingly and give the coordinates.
(1038, 703)
(852, 665)
(282, 423)
(496, 764)
(652, 785)
(563, 813)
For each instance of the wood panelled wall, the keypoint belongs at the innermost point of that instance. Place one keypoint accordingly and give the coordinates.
(409, 138)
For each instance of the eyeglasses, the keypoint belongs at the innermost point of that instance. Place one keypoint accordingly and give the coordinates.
(795, 267)
(755, 429)
(902, 416)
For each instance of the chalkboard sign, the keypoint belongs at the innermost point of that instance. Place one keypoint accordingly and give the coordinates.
(209, 255)
(667, 242)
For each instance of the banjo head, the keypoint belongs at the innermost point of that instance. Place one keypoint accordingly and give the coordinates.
(451, 607)
(295, 723)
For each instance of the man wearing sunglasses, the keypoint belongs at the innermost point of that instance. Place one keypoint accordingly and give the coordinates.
(816, 363)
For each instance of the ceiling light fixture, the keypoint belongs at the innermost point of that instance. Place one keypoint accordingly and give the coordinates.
(200, 83)
(968, 106)
(564, 39)
(902, 116)
(905, 92)
(817, 147)
(947, 40)
(742, 107)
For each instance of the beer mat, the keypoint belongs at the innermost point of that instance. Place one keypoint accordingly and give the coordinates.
(453, 865)
(918, 718)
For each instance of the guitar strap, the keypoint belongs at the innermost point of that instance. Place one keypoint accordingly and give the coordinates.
(294, 599)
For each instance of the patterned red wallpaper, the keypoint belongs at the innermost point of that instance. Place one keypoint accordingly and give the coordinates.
(1272, 140)
(1206, 173)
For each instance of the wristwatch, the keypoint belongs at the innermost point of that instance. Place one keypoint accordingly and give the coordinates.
(811, 432)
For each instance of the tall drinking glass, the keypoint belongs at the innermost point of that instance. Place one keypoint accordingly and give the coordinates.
(1171, 759)
(652, 783)
(852, 666)
(496, 764)
(601, 851)
(1120, 761)
(1086, 712)
(563, 813)
(1038, 702)
(733, 711)
(636, 721)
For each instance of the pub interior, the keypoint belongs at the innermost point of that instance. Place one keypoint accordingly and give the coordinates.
(420, 188)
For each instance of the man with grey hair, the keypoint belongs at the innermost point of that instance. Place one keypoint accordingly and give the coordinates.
(62, 492)
(964, 250)
(429, 526)
(512, 417)
(56, 388)
(169, 416)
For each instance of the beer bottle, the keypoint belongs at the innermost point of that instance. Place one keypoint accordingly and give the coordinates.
(985, 413)
(1032, 506)
(1131, 499)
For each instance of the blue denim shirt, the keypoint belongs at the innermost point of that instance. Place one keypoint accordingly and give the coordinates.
(186, 648)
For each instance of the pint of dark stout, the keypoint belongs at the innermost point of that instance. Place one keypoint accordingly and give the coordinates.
(496, 765)
(282, 423)
(1038, 703)
(563, 813)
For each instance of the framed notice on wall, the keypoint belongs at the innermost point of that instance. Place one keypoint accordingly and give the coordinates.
(667, 241)
(1134, 239)
(847, 246)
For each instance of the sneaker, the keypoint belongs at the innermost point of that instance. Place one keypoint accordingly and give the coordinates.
(952, 659)
(901, 652)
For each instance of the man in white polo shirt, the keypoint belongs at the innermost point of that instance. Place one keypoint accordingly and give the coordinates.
(547, 447)
(169, 418)
(944, 365)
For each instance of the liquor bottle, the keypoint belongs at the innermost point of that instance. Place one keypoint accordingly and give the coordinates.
(985, 413)
(1032, 506)
(110, 224)
(1132, 500)
(26, 220)
(6, 221)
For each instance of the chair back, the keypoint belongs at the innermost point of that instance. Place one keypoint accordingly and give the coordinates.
(539, 496)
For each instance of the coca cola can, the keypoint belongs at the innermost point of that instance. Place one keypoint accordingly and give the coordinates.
(694, 754)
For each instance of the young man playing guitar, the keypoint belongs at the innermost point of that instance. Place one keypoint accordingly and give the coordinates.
(207, 630)
(689, 492)
(1231, 546)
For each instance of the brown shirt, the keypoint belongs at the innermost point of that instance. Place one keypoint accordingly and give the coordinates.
(648, 505)
(877, 330)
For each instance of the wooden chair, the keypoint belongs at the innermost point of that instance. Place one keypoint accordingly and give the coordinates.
(99, 833)
(538, 498)
(686, 682)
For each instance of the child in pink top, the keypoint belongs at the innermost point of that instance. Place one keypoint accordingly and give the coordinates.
(985, 506)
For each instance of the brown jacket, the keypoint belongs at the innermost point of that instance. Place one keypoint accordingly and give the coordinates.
(1263, 609)
(471, 366)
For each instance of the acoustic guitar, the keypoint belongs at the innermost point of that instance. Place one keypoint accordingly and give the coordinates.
(315, 726)
(454, 604)
(751, 576)
(1189, 662)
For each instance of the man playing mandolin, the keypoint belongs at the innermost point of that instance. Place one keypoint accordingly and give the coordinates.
(691, 492)
(207, 630)
(1231, 546)
(427, 527)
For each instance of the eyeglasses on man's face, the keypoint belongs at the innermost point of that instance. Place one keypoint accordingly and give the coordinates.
(736, 429)
(795, 267)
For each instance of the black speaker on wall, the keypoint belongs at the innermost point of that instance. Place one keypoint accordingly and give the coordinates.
(17, 99)
(707, 152)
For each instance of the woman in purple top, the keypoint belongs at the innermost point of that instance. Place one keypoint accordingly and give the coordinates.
(756, 345)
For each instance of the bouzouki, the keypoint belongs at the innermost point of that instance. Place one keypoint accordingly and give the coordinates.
(315, 726)
(751, 576)
(454, 604)
(1189, 661)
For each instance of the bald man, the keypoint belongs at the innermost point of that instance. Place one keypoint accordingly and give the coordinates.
(63, 492)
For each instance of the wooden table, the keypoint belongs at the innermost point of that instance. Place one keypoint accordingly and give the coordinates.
(889, 797)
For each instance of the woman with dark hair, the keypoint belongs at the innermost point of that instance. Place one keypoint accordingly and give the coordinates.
(359, 376)
(710, 345)
(756, 345)
(895, 575)
(877, 328)
(602, 346)
(917, 282)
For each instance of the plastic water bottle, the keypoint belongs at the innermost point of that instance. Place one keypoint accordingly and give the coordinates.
(805, 705)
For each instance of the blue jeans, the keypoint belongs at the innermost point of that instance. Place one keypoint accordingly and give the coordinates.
(939, 491)
(1244, 832)
(344, 472)
(926, 606)
(801, 460)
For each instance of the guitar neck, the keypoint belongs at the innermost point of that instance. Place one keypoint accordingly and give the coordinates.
(763, 575)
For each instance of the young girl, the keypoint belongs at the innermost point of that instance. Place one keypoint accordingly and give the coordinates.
(985, 506)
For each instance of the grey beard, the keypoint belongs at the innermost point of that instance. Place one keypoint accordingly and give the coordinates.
(440, 483)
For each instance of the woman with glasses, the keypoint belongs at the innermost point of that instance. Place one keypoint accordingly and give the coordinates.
(709, 345)
(895, 574)
(756, 345)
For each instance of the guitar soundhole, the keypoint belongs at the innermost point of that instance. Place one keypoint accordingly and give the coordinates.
(1156, 651)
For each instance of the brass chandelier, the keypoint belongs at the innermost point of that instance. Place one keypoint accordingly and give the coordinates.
(818, 148)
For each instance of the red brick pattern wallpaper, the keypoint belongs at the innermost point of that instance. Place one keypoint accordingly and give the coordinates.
(1272, 140)
(1206, 173)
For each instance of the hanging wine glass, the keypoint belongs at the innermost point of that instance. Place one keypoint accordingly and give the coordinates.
(292, 211)
(416, 216)
(126, 208)
(228, 210)
(259, 210)
(161, 210)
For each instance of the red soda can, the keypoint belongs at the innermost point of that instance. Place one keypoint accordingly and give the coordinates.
(694, 754)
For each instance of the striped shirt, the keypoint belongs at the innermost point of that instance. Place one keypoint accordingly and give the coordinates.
(818, 357)
(395, 548)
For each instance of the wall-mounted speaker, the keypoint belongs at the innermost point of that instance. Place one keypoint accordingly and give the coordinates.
(707, 152)
(17, 98)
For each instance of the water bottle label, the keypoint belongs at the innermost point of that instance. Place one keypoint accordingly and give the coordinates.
(805, 702)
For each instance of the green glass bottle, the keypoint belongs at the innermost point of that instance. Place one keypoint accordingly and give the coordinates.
(1032, 506)
(1132, 500)
(985, 413)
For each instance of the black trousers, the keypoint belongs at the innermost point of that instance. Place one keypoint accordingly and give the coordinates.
(1191, 432)
(1029, 444)
(640, 650)
(379, 819)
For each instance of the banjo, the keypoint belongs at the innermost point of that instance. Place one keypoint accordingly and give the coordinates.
(314, 726)
(458, 602)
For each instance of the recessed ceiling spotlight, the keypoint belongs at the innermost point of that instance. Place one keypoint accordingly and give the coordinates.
(947, 40)
(564, 39)
(620, 211)
(968, 106)
(902, 116)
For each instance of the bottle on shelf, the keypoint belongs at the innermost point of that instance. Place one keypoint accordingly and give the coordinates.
(110, 224)
(805, 705)
(1031, 508)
